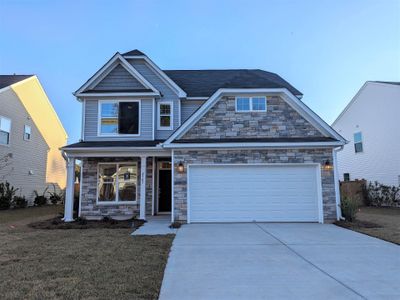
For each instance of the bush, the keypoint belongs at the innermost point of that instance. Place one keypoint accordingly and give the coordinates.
(20, 202)
(349, 209)
(54, 196)
(383, 195)
(175, 225)
(7, 193)
(40, 199)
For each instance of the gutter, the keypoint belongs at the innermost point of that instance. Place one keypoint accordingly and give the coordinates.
(336, 179)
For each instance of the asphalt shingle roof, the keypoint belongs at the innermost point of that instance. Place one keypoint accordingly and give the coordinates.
(388, 82)
(7, 80)
(133, 53)
(204, 83)
(112, 144)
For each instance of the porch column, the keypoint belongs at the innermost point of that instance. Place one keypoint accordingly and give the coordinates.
(143, 161)
(69, 191)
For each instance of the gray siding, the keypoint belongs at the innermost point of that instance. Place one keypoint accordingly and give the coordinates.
(119, 79)
(188, 107)
(91, 122)
(27, 155)
(167, 94)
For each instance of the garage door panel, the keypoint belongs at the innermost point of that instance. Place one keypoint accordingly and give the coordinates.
(244, 193)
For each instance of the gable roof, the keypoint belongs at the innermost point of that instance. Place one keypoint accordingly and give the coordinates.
(367, 83)
(204, 83)
(116, 60)
(133, 52)
(292, 100)
(7, 80)
(388, 82)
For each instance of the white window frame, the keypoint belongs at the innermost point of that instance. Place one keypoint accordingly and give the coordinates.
(9, 133)
(30, 132)
(171, 126)
(100, 102)
(117, 202)
(361, 141)
(250, 104)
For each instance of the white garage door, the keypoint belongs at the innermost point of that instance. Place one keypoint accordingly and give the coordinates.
(246, 193)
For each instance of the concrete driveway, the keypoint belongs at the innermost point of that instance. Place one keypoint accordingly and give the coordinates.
(279, 261)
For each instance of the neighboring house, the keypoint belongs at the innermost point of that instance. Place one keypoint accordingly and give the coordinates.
(371, 122)
(201, 145)
(31, 136)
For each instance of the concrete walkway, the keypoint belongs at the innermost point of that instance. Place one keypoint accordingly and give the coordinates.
(279, 261)
(156, 225)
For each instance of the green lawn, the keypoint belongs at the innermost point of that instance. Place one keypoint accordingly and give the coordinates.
(76, 264)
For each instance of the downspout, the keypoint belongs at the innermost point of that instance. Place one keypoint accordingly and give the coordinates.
(336, 179)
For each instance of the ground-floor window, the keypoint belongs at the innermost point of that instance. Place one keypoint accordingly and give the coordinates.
(117, 182)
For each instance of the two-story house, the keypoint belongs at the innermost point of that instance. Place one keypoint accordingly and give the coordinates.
(371, 123)
(30, 137)
(201, 145)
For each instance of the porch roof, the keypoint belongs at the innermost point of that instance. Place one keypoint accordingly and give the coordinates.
(113, 144)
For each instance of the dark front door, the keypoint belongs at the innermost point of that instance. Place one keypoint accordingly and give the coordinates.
(164, 191)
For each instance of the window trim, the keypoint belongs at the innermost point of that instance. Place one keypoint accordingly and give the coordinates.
(30, 134)
(9, 134)
(171, 127)
(250, 104)
(100, 102)
(116, 202)
(360, 142)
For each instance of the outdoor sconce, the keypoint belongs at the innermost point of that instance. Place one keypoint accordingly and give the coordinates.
(181, 167)
(327, 165)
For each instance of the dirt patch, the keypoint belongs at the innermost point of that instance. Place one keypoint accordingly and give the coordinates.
(379, 222)
(58, 223)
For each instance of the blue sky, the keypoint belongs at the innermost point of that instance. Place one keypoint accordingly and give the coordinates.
(326, 49)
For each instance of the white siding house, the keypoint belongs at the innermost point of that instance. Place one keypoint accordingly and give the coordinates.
(371, 124)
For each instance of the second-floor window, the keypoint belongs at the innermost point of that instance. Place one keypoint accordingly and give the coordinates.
(119, 117)
(246, 104)
(27, 133)
(5, 128)
(358, 144)
(165, 115)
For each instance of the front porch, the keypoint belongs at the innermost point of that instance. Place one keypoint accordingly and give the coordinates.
(121, 187)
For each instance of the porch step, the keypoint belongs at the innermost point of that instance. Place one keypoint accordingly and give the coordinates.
(157, 225)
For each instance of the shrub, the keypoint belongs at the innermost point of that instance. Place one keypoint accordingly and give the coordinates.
(383, 195)
(349, 209)
(54, 196)
(175, 225)
(40, 199)
(20, 202)
(81, 221)
(7, 193)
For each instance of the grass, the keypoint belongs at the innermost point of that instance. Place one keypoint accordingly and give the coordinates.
(74, 264)
(33, 213)
(380, 222)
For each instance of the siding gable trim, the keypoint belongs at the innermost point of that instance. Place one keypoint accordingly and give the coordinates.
(107, 68)
(178, 90)
(292, 100)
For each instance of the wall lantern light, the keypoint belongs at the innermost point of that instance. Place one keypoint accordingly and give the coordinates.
(181, 167)
(327, 165)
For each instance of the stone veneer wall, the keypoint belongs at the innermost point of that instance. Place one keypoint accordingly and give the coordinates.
(280, 120)
(253, 156)
(89, 208)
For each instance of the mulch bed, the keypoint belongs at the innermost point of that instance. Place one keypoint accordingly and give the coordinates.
(357, 224)
(58, 223)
